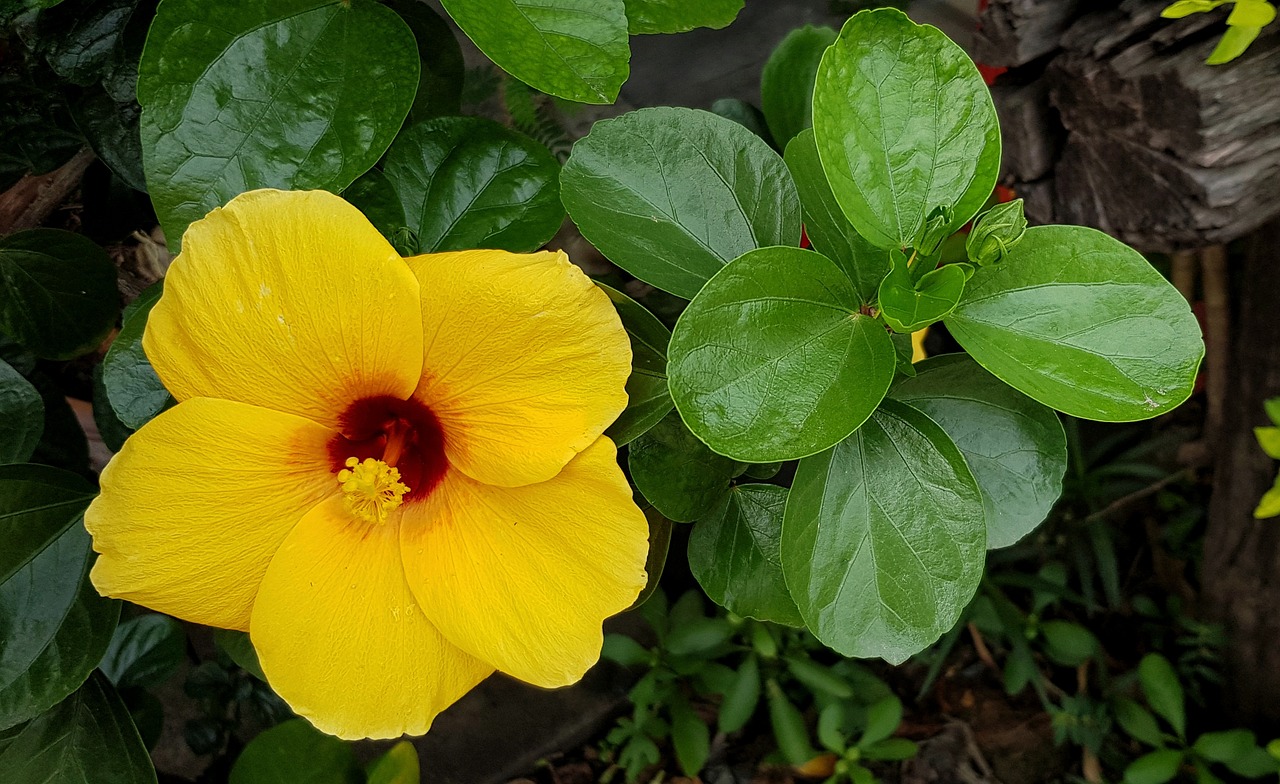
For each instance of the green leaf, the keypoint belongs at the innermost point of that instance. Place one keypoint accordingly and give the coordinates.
(828, 229)
(698, 636)
(398, 766)
(63, 443)
(1183, 8)
(443, 70)
(904, 125)
(239, 649)
(786, 83)
(1269, 440)
(883, 718)
(79, 38)
(111, 129)
(648, 399)
(789, 728)
(676, 472)
(908, 305)
(133, 388)
(574, 49)
(621, 649)
(690, 736)
(88, 738)
(1251, 13)
(1163, 690)
(884, 538)
(742, 698)
(1138, 722)
(1272, 407)
(468, 182)
(1069, 644)
(1269, 504)
(1082, 323)
(890, 749)
(144, 651)
(646, 17)
(374, 195)
(743, 114)
(37, 505)
(1254, 764)
(21, 418)
(1226, 746)
(774, 361)
(996, 232)
(819, 679)
(763, 471)
(659, 544)
(1235, 41)
(292, 94)
(1154, 768)
(58, 294)
(55, 625)
(1015, 447)
(296, 753)
(672, 195)
(733, 553)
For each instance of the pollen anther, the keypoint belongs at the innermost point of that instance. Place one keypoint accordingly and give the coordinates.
(371, 488)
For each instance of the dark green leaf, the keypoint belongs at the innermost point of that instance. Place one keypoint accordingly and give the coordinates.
(1069, 644)
(1163, 690)
(659, 544)
(1138, 722)
(1154, 768)
(467, 182)
(789, 728)
(293, 94)
(78, 37)
(743, 696)
(679, 16)
(374, 195)
(112, 131)
(996, 232)
(440, 82)
(786, 84)
(690, 736)
(144, 651)
(21, 418)
(63, 443)
(743, 114)
(1226, 746)
(296, 753)
(1082, 323)
(890, 749)
(58, 292)
(828, 229)
(884, 539)
(621, 649)
(574, 49)
(904, 125)
(648, 399)
(39, 135)
(908, 305)
(733, 553)
(676, 472)
(87, 739)
(820, 679)
(763, 471)
(698, 636)
(672, 195)
(1015, 447)
(398, 766)
(38, 504)
(134, 389)
(237, 646)
(773, 360)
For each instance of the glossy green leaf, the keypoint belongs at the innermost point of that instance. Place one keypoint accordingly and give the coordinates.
(676, 472)
(293, 94)
(909, 306)
(133, 388)
(21, 419)
(1163, 691)
(374, 195)
(296, 753)
(1156, 767)
(786, 83)
(774, 360)
(1015, 447)
(111, 129)
(645, 17)
(733, 553)
(398, 766)
(884, 539)
(55, 625)
(648, 399)
(110, 428)
(468, 182)
(829, 231)
(660, 529)
(58, 294)
(443, 70)
(574, 49)
(744, 114)
(88, 738)
(904, 125)
(78, 38)
(144, 651)
(690, 736)
(1082, 323)
(237, 646)
(672, 195)
(742, 697)
(38, 503)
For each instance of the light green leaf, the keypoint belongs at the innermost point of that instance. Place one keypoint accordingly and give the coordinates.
(292, 94)
(1234, 42)
(829, 231)
(1251, 13)
(1184, 8)
(676, 472)
(884, 539)
(645, 17)
(574, 49)
(1269, 440)
(1154, 768)
(904, 125)
(742, 698)
(774, 361)
(1272, 407)
(88, 738)
(733, 553)
(1082, 323)
(1163, 690)
(133, 388)
(1269, 505)
(144, 651)
(672, 195)
(296, 753)
(648, 399)
(468, 182)
(21, 417)
(58, 294)
(1015, 447)
(908, 305)
(398, 766)
(786, 83)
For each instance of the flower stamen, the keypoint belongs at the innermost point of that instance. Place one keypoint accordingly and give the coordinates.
(371, 488)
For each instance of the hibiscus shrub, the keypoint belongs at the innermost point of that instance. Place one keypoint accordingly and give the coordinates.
(372, 437)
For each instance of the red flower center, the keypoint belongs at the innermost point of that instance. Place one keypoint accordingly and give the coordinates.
(404, 434)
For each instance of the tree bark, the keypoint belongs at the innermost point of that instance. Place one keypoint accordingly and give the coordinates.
(1242, 555)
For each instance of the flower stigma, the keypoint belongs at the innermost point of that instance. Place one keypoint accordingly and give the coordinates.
(371, 489)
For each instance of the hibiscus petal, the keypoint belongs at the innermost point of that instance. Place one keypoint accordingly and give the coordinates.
(525, 361)
(197, 502)
(341, 638)
(287, 300)
(523, 577)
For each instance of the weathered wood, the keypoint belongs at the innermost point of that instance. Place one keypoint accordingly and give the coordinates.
(1015, 32)
(1032, 135)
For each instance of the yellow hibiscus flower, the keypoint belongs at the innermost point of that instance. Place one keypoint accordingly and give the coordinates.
(389, 471)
